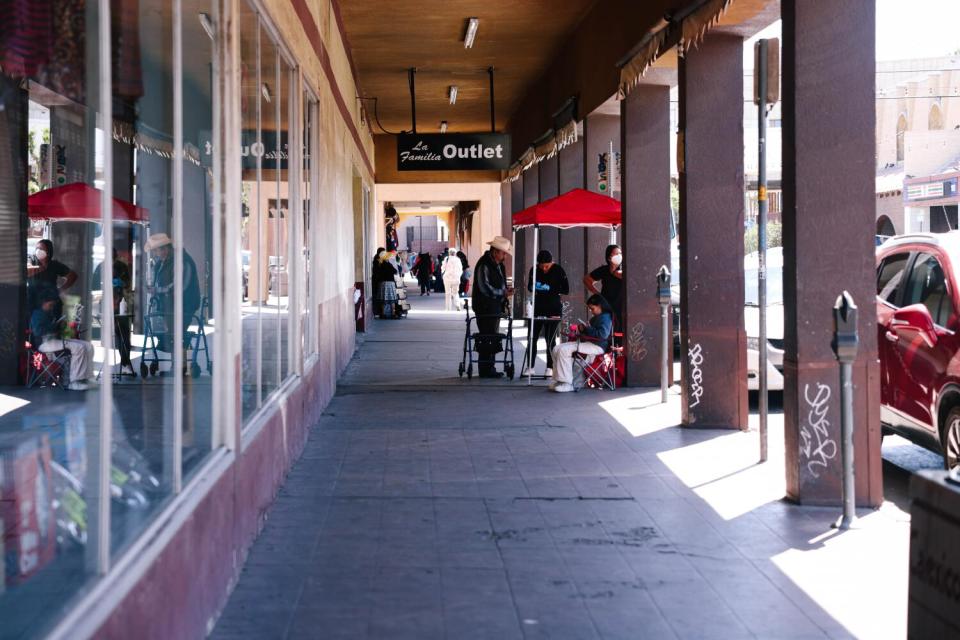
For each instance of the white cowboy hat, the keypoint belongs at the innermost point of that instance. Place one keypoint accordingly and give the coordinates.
(157, 240)
(501, 243)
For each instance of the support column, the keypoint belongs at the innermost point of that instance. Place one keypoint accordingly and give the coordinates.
(549, 236)
(531, 195)
(519, 277)
(714, 380)
(570, 174)
(599, 131)
(506, 220)
(828, 228)
(645, 120)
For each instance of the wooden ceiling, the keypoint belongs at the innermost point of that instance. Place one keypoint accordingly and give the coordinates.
(519, 39)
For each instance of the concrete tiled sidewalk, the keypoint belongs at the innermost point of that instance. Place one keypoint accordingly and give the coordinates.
(431, 507)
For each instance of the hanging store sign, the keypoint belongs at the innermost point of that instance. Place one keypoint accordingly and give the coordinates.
(931, 190)
(453, 151)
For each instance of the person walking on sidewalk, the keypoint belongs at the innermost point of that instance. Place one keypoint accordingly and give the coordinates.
(490, 300)
(551, 284)
(594, 338)
(423, 269)
(452, 269)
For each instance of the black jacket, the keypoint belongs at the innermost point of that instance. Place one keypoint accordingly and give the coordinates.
(489, 286)
(550, 286)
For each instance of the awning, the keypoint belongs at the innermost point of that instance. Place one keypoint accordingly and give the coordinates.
(575, 208)
(80, 202)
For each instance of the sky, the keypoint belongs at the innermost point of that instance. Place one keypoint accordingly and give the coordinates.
(905, 29)
(917, 28)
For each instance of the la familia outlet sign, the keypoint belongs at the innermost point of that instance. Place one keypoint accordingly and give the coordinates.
(453, 151)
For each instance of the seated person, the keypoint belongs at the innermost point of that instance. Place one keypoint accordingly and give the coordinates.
(47, 329)
(595, 337)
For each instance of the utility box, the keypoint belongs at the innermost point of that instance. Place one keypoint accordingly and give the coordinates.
(934, 598)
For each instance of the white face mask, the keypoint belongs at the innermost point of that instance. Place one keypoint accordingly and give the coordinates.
(616, 259)
(40, 254)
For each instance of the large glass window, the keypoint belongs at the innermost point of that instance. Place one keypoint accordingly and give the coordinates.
(51, 171)
(268, 108)
(106, 274)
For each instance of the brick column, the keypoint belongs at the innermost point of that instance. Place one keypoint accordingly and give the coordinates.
(828, 228)
(572, 241)
(549, 236)
(645, 121)
(519, 259)
(714, 379)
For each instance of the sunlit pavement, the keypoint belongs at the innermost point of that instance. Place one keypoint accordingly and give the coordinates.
(429, 506)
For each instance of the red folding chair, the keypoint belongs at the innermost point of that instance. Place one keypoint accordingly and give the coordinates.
(603, 371)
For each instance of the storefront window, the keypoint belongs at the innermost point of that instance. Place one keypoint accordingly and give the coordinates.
(198, 259)
(268, 235)
(67, 347)
(51, 168)
(307, 330)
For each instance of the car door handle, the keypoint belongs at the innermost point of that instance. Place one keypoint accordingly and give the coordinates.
(891, 337)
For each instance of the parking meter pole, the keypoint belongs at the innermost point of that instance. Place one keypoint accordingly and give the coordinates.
(845, 344)
(761, 63)
(663, 296)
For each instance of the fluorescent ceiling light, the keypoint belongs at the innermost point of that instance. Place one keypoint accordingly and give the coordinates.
(453, 94)
(472, 24)
(443, 126)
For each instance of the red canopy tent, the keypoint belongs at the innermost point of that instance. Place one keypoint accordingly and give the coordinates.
(575, 208)
(79, 202)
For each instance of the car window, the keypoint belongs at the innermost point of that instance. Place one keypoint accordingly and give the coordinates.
(928, 286)
(890, 276)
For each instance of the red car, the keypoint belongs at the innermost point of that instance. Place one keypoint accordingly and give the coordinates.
(917, 321)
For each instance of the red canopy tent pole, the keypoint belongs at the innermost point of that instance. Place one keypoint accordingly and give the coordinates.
(532, 348)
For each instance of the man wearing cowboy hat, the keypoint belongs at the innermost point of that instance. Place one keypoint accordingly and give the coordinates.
(490, 293)
(161, 247)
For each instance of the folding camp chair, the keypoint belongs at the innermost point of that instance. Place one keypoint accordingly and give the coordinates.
(51, 369)
(603, 371)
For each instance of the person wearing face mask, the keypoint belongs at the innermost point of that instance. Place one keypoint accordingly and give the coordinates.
(610, 277)
(44, 276)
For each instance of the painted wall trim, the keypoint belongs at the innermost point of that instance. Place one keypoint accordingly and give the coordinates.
(313, 35)
(92, 611)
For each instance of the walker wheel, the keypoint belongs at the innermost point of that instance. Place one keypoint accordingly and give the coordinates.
(195, 370)
(154, 367)
(470, 371)
(509, 370)
(460, 370)
(144, 370)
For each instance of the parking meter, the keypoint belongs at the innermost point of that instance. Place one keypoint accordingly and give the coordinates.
(663, 297)
(845, 336)
(845, 342)
(663, 285)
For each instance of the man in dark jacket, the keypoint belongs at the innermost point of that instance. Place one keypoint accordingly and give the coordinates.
(490, 293)
(551, 284)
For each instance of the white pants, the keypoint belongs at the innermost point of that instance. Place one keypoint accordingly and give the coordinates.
(563, 358)
(451, 290)
(81, 356)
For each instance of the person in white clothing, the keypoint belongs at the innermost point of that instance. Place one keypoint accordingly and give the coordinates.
(46, 329)
(593, 341)
(452, 269)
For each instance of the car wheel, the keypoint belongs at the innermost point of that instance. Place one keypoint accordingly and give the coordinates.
(951, 439)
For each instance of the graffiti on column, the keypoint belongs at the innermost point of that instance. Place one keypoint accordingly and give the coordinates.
(816, 445)
(695, 356)
(565, 316)
(638, 342)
